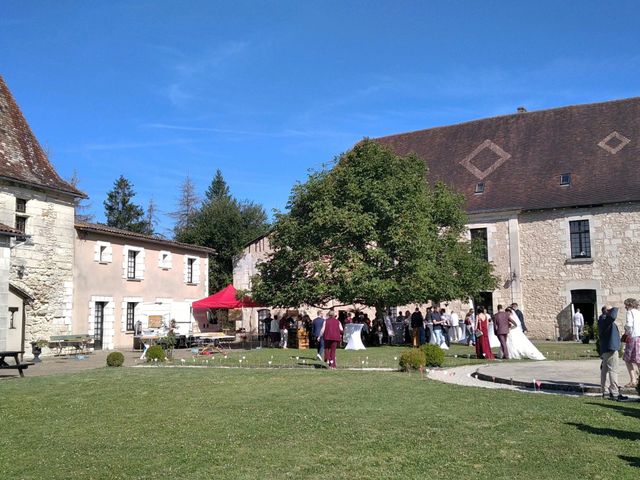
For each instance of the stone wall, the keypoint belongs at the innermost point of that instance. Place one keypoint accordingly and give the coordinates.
(43, 267)
(549, 273)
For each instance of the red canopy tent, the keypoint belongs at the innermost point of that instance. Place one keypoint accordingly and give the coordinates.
(225, 298)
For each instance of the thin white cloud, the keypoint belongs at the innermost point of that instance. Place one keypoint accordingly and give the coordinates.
(286, 133)
(93, 147)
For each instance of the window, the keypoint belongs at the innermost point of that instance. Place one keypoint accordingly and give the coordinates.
(191, 270)
(480, 242)
(131, 264)
(21, 224)
(580, 239)
(103, 253)
(565, 179)
(190, 263)
(131, 316)
(21, 205)
(480, 187)
(165, 260)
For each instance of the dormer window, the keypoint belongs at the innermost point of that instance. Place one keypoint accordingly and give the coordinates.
(479, 188)
(565, 179)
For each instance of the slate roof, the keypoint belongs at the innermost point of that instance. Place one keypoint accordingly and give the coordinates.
(521, 157)
(22, 158)
(117, 232)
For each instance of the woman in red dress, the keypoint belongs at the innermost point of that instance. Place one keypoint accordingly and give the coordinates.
(483, 349)
(332, 334)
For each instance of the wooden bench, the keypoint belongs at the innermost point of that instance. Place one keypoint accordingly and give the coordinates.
(70, 344)
(20, 366)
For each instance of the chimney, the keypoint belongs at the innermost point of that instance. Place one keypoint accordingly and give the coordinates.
(522, 110)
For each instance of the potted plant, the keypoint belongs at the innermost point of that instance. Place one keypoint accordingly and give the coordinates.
(36, 348)
(586, 334)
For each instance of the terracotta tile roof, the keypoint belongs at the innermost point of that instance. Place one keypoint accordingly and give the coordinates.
(21, 156)
(117, 232)
(7, 230)
(521, 157)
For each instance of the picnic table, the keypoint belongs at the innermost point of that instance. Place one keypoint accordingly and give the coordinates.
(70, 344)
(212, 342)
(20, 366)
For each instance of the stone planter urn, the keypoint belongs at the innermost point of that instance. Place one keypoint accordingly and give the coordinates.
(36, 350)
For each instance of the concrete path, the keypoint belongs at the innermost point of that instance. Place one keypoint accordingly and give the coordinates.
(572, 377)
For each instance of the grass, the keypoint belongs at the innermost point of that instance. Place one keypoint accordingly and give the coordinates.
(130, 423)
(375, 357)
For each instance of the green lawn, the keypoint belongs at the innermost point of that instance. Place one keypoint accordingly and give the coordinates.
(375, 357)
(185, 423)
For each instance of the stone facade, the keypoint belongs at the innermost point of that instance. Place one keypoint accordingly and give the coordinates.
(42, 266)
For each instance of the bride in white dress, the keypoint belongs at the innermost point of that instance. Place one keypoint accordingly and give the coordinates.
(518, 345)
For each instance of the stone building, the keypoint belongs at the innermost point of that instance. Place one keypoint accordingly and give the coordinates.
(123, 278)
(58, 277)
(37, 203)
(555, 196)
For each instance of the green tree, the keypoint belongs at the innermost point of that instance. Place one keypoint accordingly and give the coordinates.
(224, 224)
(120, 211)
(371, 231)
(218, 188)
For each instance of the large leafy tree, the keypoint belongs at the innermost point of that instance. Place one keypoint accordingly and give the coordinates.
(224, 224)
(371, 231)
(121, 212)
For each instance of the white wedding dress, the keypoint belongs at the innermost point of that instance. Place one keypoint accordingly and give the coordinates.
(493, 338)
(519, 346)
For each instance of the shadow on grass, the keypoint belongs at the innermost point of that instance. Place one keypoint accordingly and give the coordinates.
(623, 408)
(607, 432)
(632, 461)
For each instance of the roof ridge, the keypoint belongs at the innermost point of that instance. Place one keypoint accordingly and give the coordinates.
(101, 227)
(515, 114)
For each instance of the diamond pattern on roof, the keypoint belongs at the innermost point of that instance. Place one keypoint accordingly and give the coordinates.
(614, 142)
(501, 157)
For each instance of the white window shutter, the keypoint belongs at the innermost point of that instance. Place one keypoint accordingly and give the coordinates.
(196, 271)
(123, 317)
(108, 253)
(96, 252)
(140, 264)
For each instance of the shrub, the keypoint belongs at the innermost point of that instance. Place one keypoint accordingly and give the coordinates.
(412, 359)
(156, 352)
(115, 359)
(433, 355)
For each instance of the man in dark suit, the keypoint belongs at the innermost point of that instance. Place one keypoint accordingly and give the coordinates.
(502, 323)
(609, 345)
(514, 307)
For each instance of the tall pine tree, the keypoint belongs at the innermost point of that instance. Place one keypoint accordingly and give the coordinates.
(222, 223)
(120, 211)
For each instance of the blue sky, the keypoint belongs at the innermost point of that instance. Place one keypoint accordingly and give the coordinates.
(265, 91)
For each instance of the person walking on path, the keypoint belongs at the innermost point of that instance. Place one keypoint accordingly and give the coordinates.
(578, 324)
(331, 331)
(502, 323)
(609, 345)
(632, 344)
(317, 325)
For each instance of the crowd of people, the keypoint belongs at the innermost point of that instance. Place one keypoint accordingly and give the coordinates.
(435, 326)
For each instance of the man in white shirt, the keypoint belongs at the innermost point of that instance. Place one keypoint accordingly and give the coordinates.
(454, 329)
(578, 324)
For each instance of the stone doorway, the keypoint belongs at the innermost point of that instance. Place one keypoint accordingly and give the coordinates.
(586, 301)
